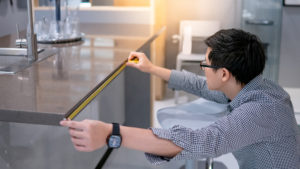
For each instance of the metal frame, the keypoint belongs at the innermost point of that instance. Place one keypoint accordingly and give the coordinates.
(290, 4)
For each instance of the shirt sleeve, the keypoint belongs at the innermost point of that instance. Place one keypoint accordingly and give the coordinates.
(244, 126)
(194, 84)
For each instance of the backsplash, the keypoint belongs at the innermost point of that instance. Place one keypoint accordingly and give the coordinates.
(12, 14)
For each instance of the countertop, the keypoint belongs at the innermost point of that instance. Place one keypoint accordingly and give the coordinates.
(46, 92)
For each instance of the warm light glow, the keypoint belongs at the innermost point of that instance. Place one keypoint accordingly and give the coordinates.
(131, 2)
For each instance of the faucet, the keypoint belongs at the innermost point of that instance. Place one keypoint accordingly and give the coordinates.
(15, 64)
(32, 53)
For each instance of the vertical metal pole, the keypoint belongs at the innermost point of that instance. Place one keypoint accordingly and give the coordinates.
(57, 10)
(31, 36)
(191, 164)
(57, 14)
(209, 163)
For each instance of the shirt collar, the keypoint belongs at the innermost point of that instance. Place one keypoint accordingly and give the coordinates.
(237, 101)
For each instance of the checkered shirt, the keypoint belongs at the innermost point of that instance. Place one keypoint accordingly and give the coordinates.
(259, 129)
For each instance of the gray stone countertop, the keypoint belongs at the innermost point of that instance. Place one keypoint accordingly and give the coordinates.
(45, 92)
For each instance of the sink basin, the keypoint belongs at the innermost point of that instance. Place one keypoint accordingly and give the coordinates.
(196, 114)
(13, 60)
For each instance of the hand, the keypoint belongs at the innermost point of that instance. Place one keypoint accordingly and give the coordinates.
(143, 63)
(87, 135)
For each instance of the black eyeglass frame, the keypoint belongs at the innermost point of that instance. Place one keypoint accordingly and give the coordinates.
(202, 66)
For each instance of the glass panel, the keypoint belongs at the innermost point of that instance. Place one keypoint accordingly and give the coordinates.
(128, 3)
(263, 18)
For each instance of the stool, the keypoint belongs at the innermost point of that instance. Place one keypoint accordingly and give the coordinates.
(196, 114)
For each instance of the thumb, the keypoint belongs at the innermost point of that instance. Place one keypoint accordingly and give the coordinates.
(132, 64)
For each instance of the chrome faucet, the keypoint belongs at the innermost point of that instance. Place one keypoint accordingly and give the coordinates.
(12, 59)
(32, 53)
(31, 39)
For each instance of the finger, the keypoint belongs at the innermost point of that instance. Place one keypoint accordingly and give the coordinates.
(77, 141)
(132, 64)
(83, 148)
(133, 54)
(72, 124)
(134, 60)
(76, 129)
(80, 148)
(76, 133)
(137, 55)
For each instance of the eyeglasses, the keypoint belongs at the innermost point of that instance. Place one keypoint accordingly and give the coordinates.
(204, 65)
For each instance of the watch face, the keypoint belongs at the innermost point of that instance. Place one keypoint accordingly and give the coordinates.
(114, 141)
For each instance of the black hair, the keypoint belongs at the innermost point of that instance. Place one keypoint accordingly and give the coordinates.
(238, 51)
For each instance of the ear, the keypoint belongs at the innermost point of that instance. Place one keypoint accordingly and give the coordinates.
(226, 75)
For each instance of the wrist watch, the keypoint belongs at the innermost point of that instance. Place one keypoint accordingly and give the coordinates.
(115, 139)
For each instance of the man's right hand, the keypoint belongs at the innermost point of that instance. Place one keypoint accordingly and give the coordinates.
(143, 64)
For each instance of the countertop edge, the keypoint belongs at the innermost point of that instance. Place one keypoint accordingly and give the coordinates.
(30, 117)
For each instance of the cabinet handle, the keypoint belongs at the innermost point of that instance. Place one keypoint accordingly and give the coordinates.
(260, 22)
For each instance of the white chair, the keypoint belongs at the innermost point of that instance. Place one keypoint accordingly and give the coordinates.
(195, 115)
(189, 30)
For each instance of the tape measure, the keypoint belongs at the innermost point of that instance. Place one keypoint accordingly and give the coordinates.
(134, 60)
(90, 96)
(81, 105)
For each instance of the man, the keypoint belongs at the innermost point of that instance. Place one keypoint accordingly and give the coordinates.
(260, 128)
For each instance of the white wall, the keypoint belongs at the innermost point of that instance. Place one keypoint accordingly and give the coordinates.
(118, 15)
(289, 66)
(121, 15)
(10, 16)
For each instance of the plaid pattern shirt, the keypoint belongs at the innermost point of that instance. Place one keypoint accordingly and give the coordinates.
(259, 129)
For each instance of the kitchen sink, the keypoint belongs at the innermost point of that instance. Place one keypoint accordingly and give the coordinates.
(13, 60)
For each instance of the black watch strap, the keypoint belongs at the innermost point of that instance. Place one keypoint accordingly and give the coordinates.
(116, 129)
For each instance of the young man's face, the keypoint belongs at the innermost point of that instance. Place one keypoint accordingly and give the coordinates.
(213, 78)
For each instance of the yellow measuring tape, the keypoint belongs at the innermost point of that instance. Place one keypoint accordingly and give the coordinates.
(91, 96)
(96, 92)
